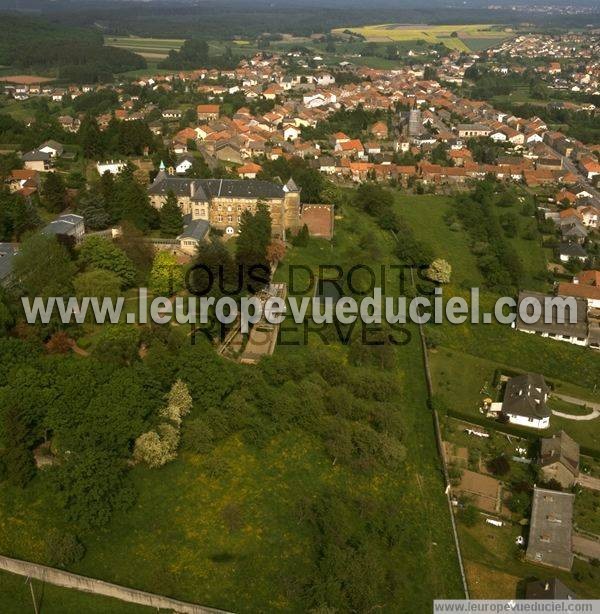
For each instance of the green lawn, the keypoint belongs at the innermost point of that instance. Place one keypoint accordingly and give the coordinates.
(587, 510)
(462, 381)
(425, 214)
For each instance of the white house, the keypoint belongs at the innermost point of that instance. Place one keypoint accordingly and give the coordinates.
(114, 167)
(184, 164)
(290, 132)
(53, 148)
(525, 399)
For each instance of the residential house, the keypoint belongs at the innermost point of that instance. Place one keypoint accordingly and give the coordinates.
(249, 170)
(551, 529)
(473, 130)
(570, 326)
(114, 167)
(24, 181)
(183, 164)
(559, 459)
(36, 160)
(524, 401)
(208, 112)
(68, 224)
(548, 589)
(54, 148)
(172, 114)
(571, 251)
(585, 285)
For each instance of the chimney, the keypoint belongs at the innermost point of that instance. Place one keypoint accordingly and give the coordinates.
(192, 189)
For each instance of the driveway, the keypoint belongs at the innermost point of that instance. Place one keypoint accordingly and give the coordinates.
(587, 481)
(594, 407)
(589, 548)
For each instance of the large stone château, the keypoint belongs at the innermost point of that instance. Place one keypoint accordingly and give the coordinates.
(221, 202)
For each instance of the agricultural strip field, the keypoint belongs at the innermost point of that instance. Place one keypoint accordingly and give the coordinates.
(452, 36)
(149, 48)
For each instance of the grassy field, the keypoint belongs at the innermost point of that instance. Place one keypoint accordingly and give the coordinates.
(452, 36)
(153, 49)
(587, 510)
(425, 214)
(16, 599)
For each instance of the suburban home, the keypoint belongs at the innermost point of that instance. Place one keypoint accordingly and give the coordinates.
(559, 459)
(572, 228)
(208, 112)
(473, 130)
(327, 165)
(172, 114)
(194, 231)
(54, 148)
(67, 225)
(573, 332)
(585, 285)
(7, 253)
(548, 589)
(36, 160)
(183, 164)
(290, 132)
(571, 251)
(524, 401)
(590, 216)
(114, 167)
(23, 181)
(551, 529)
(249, 170)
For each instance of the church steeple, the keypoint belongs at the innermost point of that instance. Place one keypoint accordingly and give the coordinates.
(161, 173)
(291, 186)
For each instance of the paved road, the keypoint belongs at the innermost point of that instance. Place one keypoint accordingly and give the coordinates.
(586, 546)
(594, 407)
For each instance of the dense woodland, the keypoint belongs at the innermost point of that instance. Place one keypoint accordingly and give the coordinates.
(72, 54)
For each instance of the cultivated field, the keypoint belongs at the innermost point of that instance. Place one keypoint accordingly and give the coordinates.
(453, 36)
(25, 79)
(149, 48)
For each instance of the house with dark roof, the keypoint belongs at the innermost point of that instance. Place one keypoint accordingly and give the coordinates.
(548, 589)
(559, 459)
(571, 251)
(551, 529)
(524, 401)
(68, 224)
(570, 326)
(194, 231)
(36, 160)
(52, 147)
